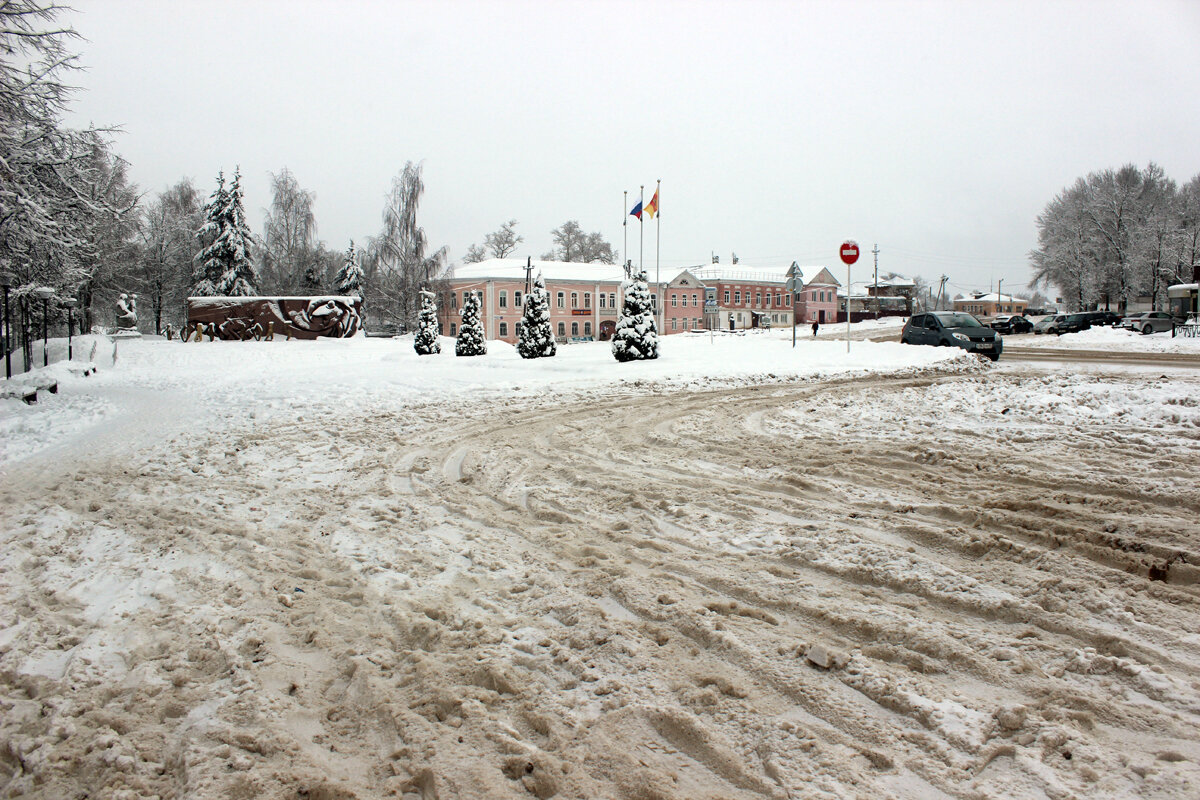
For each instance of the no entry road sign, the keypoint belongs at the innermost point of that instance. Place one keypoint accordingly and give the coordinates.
(849, 253)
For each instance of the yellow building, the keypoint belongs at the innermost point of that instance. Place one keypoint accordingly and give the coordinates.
(991, 305)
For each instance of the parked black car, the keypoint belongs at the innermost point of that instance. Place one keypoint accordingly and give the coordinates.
(1102, 317)
(952, 329)
(1013, 324)
(1062, 323)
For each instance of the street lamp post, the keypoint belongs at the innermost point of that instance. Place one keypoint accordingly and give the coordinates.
(7, 337)
(69, 304)
(45, 292)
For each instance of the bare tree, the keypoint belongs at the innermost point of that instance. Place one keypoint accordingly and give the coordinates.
(168, 242)
(398, 266)
(290, 237)
(503, 241)
(475, 254)
(572, 244)
(59, 188)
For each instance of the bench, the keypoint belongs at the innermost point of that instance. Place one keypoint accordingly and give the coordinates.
(26, 387)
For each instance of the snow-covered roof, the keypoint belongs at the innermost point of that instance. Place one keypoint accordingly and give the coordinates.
(992, 297)
(896, 282)
(737, 272)
(513, 269)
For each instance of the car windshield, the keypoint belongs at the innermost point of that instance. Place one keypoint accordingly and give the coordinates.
(958, 321)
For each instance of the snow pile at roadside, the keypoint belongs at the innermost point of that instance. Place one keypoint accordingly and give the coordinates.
(1105, 338)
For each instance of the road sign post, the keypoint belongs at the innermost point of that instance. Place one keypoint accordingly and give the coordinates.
(792, 286)
(849, 254)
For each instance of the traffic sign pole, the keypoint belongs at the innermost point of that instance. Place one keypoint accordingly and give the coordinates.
(849, 254)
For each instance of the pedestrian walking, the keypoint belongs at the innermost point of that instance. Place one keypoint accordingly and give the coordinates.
(815, 326)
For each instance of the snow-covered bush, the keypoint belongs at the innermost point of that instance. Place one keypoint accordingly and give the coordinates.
(426, 341)
(470, 333)
(536, 339)
(636, 336)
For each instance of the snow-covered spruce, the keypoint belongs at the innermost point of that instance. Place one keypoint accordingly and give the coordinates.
(636, 336)
(536, 339)
(349, 279)
(223, 266)
(470, 340)
(426, 341)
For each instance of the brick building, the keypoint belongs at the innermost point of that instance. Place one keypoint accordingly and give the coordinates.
(741, 297)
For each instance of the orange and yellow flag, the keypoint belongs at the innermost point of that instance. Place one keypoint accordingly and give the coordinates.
(652, 207)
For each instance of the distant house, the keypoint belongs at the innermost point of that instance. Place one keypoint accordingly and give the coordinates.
(683, 309)
(990, 305)
(818, 300)
(893, 294)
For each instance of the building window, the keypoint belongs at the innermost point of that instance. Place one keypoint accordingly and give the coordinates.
(787, 300)
(453, 300)
(768, 301)
(574, 299)
(465, 296)
(737, 298)
(587, 328)
(517, 329)
(441, 331)
(603, 300)
(587, 299)
(454, 329)
(502, 300)
(517, 299)
(562, 299)
(758, 299)
(574, 328)
(726, 297)
(675, 300)
(654, 301)
(612, 299)
(504, 329)
(562, 329)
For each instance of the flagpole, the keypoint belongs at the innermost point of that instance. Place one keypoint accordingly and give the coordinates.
(625, 225)
(657, 245)
(641, 227)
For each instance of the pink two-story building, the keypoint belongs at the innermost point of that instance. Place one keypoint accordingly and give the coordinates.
(585, 299)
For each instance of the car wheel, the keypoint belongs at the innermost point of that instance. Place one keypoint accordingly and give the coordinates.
(994, 356)
(1147, 329)
(1054, 331)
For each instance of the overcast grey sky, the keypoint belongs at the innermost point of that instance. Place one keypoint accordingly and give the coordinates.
(938, 130)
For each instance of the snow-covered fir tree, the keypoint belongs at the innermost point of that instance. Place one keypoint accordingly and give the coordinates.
(223, 266)
(636, 336)
(470, 332)
(426, 341)
(349, 279)
(536, 339)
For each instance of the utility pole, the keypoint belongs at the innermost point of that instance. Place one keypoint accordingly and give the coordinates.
(941, 292)
(1000, 296)
(876, 252)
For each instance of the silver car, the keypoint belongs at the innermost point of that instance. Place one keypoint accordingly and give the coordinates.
(1149, 322)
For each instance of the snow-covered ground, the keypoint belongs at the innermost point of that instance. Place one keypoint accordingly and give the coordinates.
(333, 569)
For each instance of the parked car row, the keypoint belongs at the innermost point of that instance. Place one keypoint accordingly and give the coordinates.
(1073, 323)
